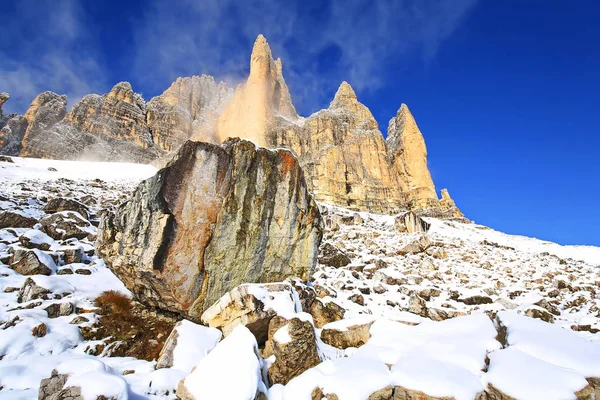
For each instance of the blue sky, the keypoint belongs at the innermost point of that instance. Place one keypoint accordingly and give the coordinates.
(507, 93)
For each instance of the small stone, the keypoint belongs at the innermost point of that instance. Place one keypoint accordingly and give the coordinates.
(39, 330)
(83, 271)
(476, 300)
(540, 314)
(358, 299)
(417, 305)
(379, 289)
(79, 320)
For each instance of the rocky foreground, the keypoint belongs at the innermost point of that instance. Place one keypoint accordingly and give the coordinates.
(398, 307)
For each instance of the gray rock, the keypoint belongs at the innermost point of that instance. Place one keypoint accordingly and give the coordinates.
(65, 225)
(13, 219)
(332, 256)
(31, 291)
(58, 204)
(56, 310)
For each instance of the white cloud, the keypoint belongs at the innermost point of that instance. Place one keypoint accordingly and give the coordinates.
(51, 50)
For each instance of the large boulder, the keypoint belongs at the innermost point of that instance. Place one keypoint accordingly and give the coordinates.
(213, 218)
(34, 262)
(411, 223)
(83, 378)
(326, 311)
(333, 256)
(353, 332)
(187, 345)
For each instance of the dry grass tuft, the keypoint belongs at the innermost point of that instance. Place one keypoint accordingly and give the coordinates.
(128, 329)
(113, 301)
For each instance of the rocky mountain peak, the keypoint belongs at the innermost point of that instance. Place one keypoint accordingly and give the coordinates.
(3, 98)
(261, 60)
(47, 102)
(408, 153)
(346, 102)
(344, 94)
(122, 91)
(258, 102)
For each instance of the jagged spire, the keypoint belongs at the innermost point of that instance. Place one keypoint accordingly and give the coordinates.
(261, 60)
(259, 101)
(345, 101)
(344, 95)
(3, 98)
(408, 153)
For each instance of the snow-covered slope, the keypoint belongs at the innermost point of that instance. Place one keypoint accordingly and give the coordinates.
(429, 299)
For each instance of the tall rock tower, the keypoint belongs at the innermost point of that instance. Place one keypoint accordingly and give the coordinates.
(408, 155)
(256, 102)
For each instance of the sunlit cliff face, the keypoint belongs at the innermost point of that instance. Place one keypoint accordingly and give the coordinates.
(256, 101)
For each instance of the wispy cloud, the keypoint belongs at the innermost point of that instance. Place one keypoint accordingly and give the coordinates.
(56, 44)
(47, 45)
(214, 37)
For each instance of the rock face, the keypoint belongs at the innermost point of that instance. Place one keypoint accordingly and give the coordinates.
(408, 156)
(215, 217)
(119, 125)
(45, 111)
(12, 130)
(189, 108)
(3, 98)
(411, 223)
(258, 102)
(111, 126)
(344, 155)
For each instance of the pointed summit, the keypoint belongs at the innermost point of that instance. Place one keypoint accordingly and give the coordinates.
(345, 101)
(261, 47)
(345, 91)
(259, 101)
(261, 60)
(408, 153)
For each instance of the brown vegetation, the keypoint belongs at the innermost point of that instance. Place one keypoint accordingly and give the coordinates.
(127, 328)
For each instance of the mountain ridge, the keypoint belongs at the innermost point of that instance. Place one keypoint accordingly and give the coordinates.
(346, 158)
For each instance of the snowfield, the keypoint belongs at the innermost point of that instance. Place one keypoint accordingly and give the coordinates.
(469, 310)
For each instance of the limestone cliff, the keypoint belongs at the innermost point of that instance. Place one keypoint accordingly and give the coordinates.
(12, 129)
(345, 157)
(45, 111)
(119, 125)
(189, 108)
(213, 218)
(408, 156)
(258, 102)
(3, 98)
